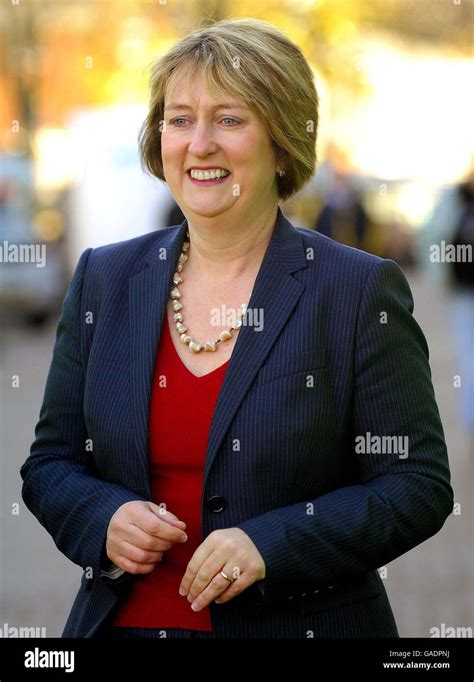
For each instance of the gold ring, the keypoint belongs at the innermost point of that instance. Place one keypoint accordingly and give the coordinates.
(231, 580)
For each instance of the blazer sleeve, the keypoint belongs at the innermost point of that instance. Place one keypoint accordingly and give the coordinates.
(61, 486)
(398, 501)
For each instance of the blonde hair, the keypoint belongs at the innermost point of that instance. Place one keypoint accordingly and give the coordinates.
(258, 63)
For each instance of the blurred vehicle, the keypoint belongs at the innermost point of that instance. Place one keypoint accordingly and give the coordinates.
(29, 289)
(111, 198)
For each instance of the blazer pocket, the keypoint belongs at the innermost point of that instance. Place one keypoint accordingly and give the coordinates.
(276, 368)
(340, 595)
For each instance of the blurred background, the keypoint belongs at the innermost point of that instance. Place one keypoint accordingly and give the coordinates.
(395, 177)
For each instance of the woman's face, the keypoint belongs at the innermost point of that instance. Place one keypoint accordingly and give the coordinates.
(221, 133)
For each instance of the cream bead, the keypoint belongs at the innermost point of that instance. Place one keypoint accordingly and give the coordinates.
(195, 347)
(175, 294)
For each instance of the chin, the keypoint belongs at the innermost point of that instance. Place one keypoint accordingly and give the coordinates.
(208, 211)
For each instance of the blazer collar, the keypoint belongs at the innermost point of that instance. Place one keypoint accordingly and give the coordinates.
(285, 245)
(275, 292)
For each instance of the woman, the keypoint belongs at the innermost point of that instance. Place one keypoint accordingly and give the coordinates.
(256, 385)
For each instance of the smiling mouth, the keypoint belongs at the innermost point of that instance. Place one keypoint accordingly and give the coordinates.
(204, 178)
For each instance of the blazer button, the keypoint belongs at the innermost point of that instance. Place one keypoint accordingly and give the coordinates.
(216, 503)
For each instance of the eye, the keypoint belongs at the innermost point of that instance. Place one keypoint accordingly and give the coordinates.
(229, 118)
(174, 121)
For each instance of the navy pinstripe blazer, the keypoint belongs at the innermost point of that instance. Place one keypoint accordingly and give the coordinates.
(339, 357)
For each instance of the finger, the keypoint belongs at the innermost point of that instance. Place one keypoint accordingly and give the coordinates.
(206, 573)
(131, 567)
(149, 522)
(198, 558)
(221, 589)
(137, 555)
(136, 536)
(166, 515)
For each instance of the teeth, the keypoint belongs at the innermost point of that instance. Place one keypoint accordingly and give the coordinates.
(208, 174)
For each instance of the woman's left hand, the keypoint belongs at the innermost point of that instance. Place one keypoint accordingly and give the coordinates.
(229, 550)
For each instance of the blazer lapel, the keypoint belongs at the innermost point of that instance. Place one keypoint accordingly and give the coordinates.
(275, 293)
(148, 297)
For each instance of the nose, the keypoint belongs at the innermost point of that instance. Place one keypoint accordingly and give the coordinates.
(202, 142)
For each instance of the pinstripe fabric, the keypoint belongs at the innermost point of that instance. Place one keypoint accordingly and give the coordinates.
(339, 356)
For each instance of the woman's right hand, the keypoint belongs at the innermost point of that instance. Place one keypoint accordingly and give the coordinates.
(138, 534)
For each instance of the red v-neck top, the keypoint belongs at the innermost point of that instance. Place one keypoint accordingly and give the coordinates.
(181, 410)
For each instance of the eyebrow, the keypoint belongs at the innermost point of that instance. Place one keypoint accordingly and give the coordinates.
(223, 105)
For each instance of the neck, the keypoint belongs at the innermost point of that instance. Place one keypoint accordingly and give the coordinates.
(222, 252)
